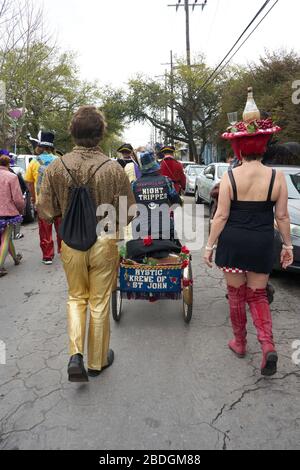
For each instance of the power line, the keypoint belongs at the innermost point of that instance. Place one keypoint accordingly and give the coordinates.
(248, 37)
(235, 44)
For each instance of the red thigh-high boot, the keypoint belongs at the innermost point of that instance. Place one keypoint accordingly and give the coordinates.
(262, 319)
(237, 304)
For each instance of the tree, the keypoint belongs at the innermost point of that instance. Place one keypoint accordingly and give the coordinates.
(43, 81)
(47, 85)
(272, 79)
(113, 106)
(196, 107)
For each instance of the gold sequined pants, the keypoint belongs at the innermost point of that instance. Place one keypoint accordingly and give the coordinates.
(91, 278)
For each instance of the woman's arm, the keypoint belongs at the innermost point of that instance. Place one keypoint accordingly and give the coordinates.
(283, 222)
(220, 218)
(222, 213)
(17, 195)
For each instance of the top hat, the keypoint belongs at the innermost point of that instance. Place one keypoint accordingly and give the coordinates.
(125, 148)
(148, 163)
(46, 139)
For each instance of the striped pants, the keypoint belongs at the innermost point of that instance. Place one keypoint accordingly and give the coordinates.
(6, 245)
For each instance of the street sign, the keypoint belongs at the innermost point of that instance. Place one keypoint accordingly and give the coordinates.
(2, 93)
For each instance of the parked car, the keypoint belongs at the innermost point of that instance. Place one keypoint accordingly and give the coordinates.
(23, 161)
(207, 180)
(292, 175)
(186, 164)
(192, 172)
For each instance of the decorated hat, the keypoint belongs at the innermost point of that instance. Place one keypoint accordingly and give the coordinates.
(168, 149)
(148, 163)
(34, 142)
(46, 139)
(125, 148)
(252, 135)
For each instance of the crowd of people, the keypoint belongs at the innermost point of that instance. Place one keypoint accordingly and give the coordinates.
(67, 188)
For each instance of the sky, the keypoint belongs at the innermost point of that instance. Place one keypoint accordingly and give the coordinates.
(117, 39)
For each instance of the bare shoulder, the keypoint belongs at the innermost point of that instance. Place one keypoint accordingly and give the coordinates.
(280, 177)
(225, 180)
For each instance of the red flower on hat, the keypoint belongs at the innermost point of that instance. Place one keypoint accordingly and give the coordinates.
(148, 241)
(185, 264)
(185, 250)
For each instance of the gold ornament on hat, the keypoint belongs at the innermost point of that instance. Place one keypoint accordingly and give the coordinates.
(251, 112)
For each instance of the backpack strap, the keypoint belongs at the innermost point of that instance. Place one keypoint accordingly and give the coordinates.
(72, 177)
(271, 185)
(90, 179)
(169, 170)
(96, 171)
(233, 184)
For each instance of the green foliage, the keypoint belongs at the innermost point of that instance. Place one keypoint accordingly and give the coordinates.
(46, 83)
(272, 78)
(195, 107)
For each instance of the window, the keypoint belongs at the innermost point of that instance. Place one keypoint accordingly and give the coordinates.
(211, 170)
(196, 171)
(221, 171)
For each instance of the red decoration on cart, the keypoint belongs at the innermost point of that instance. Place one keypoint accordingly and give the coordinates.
(148, 241)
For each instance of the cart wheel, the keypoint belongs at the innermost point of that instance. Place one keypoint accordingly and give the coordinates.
(116, 305)
(188, 298)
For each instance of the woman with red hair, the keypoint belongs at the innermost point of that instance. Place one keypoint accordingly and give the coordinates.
(244, 229)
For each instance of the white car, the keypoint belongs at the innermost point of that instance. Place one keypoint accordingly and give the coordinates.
(23, 161)
(192, 172)
(209, 178)
(186, 164)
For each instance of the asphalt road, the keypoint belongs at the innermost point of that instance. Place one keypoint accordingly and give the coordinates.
(172, 387)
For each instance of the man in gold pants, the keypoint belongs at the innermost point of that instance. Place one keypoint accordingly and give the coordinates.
(91, 274)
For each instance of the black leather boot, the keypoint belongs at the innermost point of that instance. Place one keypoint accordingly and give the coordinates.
(76, 370)
(110, 361)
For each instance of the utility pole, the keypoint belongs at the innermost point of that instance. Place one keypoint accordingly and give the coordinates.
(171, 64)
(187, 6)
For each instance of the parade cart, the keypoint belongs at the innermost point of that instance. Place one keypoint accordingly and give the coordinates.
(169, 279)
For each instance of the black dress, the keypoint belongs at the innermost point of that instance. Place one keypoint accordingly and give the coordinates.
(247, 241)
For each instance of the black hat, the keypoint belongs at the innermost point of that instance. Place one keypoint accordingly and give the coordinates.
(125, 148)
(46, 139)
(168, 149)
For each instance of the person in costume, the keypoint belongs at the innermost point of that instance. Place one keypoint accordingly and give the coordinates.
(173, 169)
(155, 193)
(11, 210)
(129, 162)
(91, 274)
(45, 152)
(159, 155)
(17, 235)
(244, 229)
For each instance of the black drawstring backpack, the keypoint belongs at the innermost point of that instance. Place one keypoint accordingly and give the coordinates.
(78, 229)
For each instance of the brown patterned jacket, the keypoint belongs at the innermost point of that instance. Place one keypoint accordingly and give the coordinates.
(109, 183)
